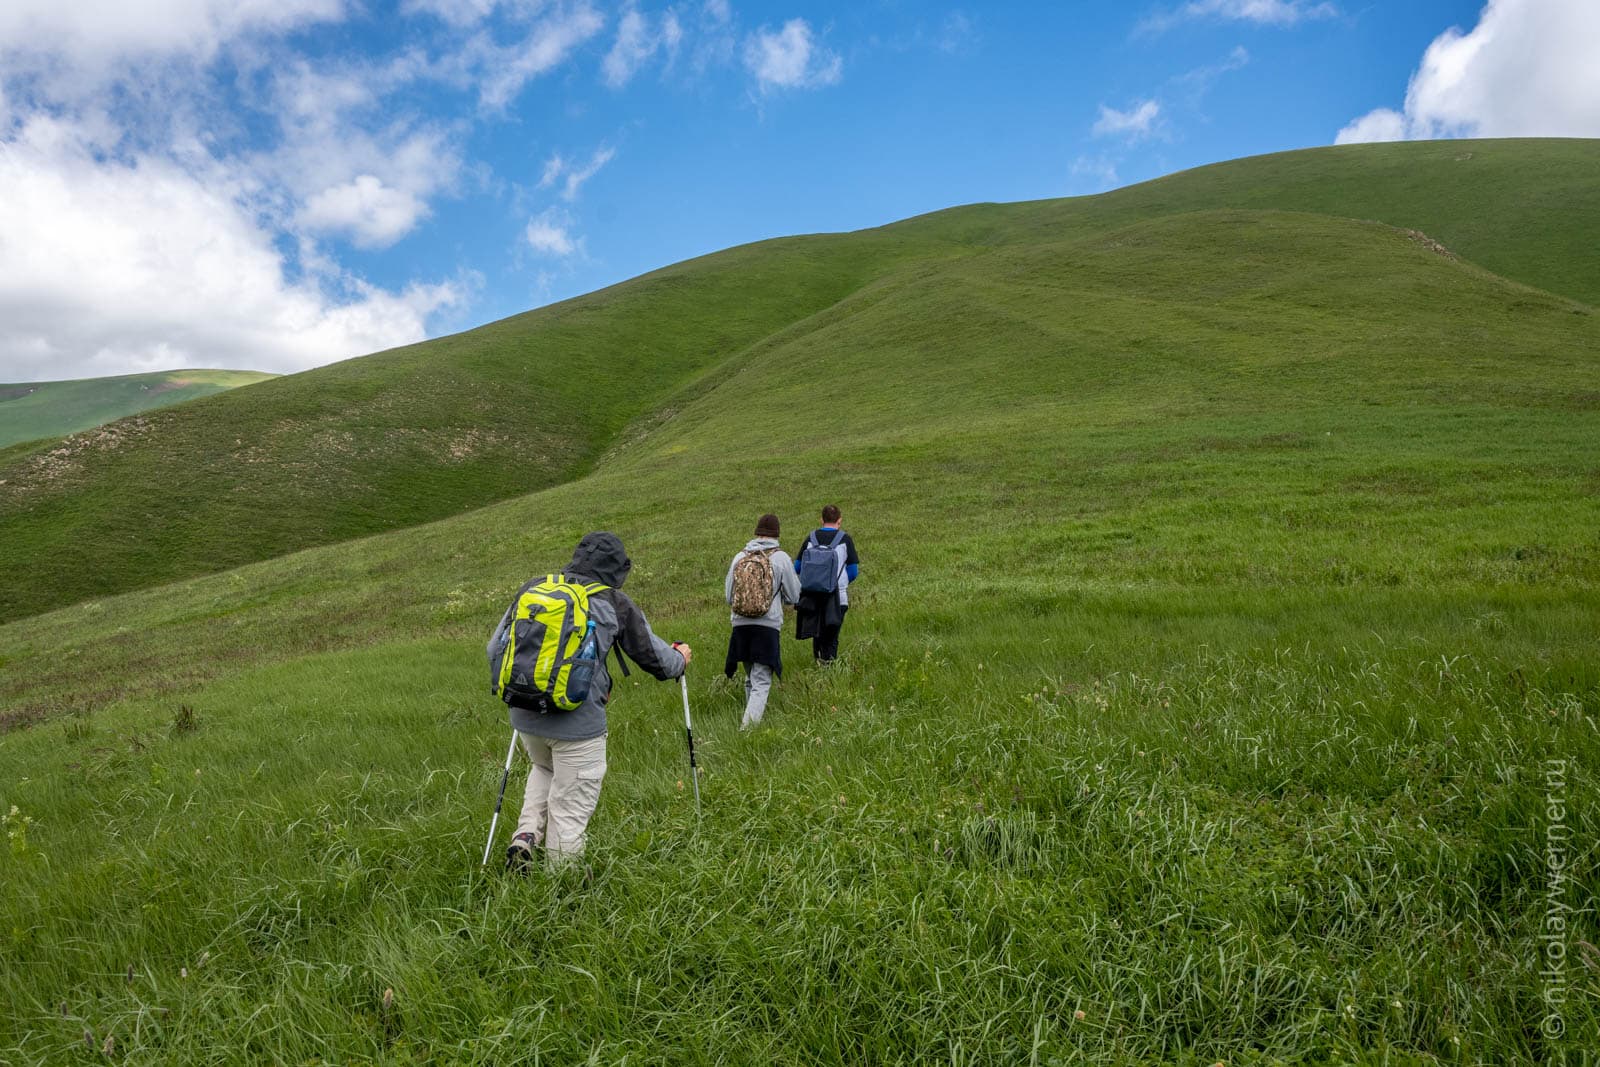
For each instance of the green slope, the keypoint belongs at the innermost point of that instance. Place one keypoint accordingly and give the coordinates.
(1229, 581)
(1527, 209)
(412, 435)
(33, 410)
(400, 437)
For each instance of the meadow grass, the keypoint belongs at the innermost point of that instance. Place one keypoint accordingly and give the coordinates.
(1226, 630)
(1234, 780)
(1279, 855)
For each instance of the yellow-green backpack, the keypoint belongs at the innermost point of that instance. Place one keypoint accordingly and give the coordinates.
(549, 652)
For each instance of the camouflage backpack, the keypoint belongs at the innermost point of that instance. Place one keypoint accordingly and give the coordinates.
(752, 584)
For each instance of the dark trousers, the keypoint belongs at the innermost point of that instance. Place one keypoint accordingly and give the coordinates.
(825, 646)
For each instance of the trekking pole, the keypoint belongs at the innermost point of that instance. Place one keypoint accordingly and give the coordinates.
(688, 731)
(487, 845)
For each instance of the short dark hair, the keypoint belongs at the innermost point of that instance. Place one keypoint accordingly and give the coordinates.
(830, 514)
(767, 526)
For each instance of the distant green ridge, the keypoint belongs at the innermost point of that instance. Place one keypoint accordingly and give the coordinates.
(536, 400)
(33, 410)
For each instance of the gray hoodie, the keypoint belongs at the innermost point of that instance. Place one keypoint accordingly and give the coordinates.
(598, 558)
(785, 584)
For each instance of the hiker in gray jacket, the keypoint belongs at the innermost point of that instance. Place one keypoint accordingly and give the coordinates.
(761, 580)
(568, 748)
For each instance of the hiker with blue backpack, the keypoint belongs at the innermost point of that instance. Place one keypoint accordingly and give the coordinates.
(547, 660)
(827, 565)
(761, 580)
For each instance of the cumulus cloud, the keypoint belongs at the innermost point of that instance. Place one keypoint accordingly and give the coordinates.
(110, 267)
(1527, 69)
(96, 29)
(1135, 124)
(147, 223)
(1381, 124)
(638, 39)
(374, 214)
(354, 170)
(550, 233)
(790, 59)
(1261, 12)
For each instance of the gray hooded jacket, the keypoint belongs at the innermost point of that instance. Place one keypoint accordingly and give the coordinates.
(618, 621)
(785, 583)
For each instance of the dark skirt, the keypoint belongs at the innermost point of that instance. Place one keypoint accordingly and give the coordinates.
(754, 644)
(816, 611)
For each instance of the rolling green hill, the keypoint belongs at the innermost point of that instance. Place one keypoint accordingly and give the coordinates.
(30, 411)
(404, 437)
(1226, 626)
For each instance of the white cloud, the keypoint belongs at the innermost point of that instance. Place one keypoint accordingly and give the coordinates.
(552, 170)
(957, 33)
(454, 12)
(571, 178)
(671, 32)
(576, 178)
(717, 11)
(115, 266)
(502, 70)
(791, 59)
(550, 233)
(173, 173)
(100, 28)
(370, 183)
(1528, 69)
(634, 45)
(1200, 79)
(637, 40)
(1382, 124)
(374, 214)
(1262, 12)
(1100, 171)
(1135, 124)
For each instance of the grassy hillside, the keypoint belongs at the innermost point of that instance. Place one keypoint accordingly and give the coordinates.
(1226, 627)
(404, 436)
(33, 410)
(1527, 209)
(408, 436)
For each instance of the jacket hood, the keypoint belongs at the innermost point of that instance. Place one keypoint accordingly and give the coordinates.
(600, 556)
(760, 544)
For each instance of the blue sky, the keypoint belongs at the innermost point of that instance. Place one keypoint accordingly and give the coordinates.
(277, 184)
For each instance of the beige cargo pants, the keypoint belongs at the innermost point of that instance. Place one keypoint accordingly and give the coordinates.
(563, 789)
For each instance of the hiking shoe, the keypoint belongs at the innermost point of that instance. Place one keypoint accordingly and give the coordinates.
(519, 854)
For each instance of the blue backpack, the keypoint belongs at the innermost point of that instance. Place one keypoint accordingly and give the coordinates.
(819, 565)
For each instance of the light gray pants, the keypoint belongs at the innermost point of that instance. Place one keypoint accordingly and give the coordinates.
(563, 789)
(757, 686)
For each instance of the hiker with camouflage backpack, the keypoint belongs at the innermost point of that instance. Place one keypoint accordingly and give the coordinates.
(761, 580)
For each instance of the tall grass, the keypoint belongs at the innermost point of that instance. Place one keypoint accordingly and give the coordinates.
(1272, 855)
